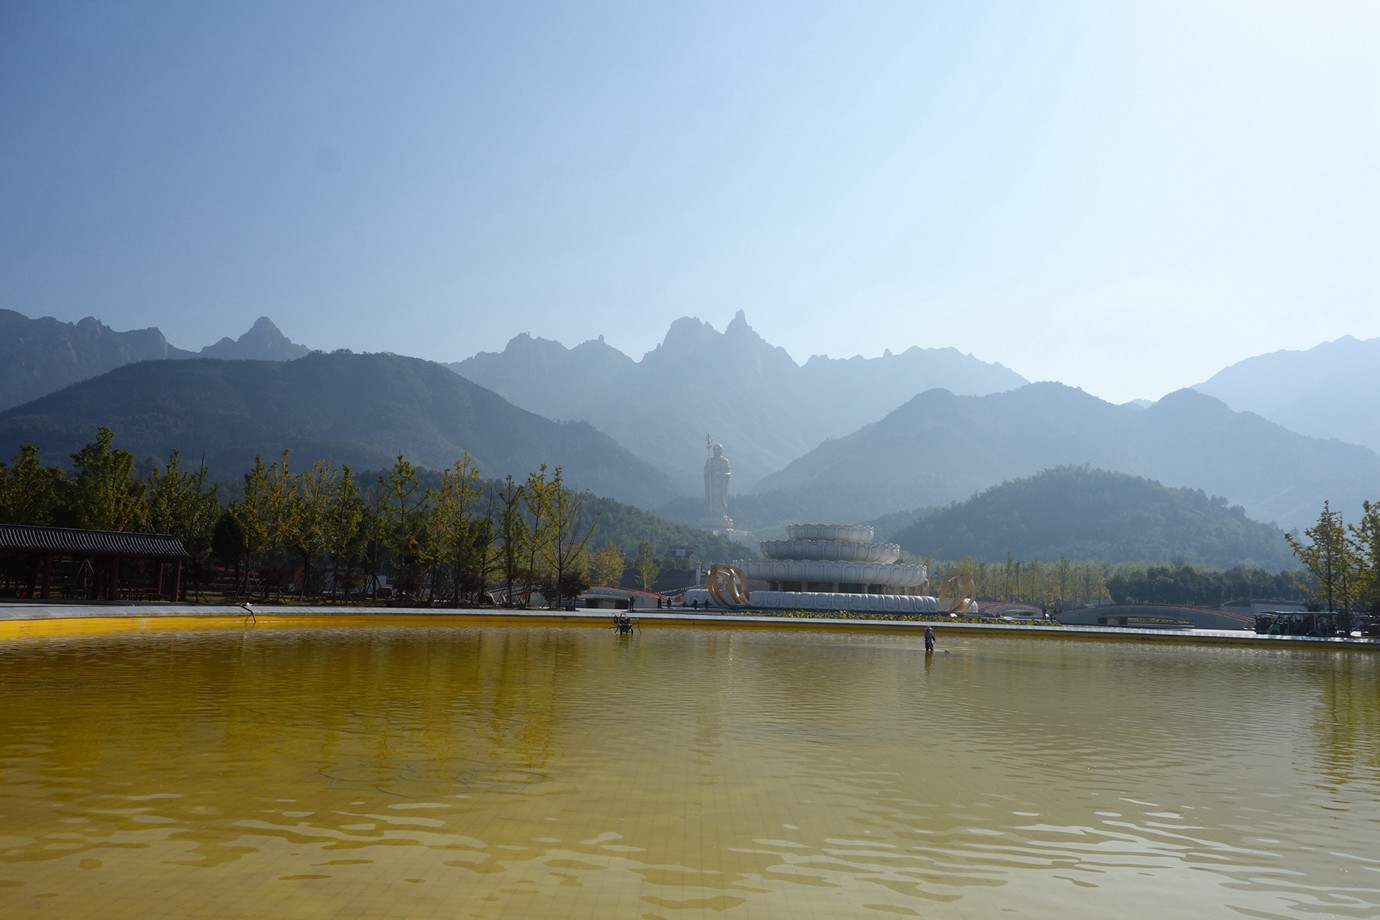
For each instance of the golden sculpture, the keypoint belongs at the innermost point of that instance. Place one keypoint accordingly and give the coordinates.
(726, 585)
(961, 596)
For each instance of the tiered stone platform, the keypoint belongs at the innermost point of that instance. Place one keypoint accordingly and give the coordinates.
(832, 567)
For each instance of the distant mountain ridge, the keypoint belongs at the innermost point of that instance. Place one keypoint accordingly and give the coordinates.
(1329, 391)
(363, 410)
(41, 356)
(750, 395)
(830, 439)
(940, 448)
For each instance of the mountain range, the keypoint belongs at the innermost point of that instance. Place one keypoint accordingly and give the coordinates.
(831, 439)
(1329, 391)
(41, 356)
(940, 447)
(749, 395)
(363, 410)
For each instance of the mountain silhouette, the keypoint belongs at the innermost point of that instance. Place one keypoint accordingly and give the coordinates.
(749, 395)
(940, 447)
(363, 410)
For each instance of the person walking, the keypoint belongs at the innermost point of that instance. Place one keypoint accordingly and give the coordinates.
(929, 639)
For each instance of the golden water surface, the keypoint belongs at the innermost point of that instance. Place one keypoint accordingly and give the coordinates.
(468, 771)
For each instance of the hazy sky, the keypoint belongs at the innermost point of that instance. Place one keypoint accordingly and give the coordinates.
(1125, 196)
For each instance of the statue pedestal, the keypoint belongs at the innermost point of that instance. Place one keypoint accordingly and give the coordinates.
(719, 525)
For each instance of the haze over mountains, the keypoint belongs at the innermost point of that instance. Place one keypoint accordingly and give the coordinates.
(1329, 391)
(41, 356)
(844, 440)
(940, 447)
(751, 396)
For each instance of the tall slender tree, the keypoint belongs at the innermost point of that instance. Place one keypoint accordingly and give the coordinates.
(646, 566)
(453, 519)
(404, 512)
(536, 500)
(264, 517)
(345, 537)
(512, 535)
(1365, 541)
(310, 516)
(1330, 557)
(570, 533)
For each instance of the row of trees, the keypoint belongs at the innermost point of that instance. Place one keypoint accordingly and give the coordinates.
(1181, 583)
(433, 539)
(1341, 572)
(449, 536)
(1068, 584)
(1061, 584)
(608, 563)
(446, 536)
(103, 493)
(1343, 560)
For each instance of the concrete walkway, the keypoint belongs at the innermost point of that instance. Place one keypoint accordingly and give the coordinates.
(26, 616)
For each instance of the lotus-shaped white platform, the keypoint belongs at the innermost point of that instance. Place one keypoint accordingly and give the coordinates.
(828, 567)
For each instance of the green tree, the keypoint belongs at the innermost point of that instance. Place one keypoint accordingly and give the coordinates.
(1331, 558)
(572, 583)
(229, 546)
(646, 566)
(264, 518)
(569, 535)
(474, 577)
(454, 522)
(182, 503)
(1365, 540)
(373, 544)
(536, 500)
(30, 493)
(1063, 581)
(607, 564)
(1092, 582)
(1036, 585)
(403, 508)
(512, 536)
(105, 494)
(345, 539)
(310, 517)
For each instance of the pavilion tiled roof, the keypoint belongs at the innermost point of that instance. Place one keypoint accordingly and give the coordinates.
(72, 541)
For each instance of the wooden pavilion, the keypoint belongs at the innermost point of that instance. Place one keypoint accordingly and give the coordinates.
(98, 555)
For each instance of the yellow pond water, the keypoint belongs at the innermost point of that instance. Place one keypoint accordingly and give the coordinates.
(520, 771)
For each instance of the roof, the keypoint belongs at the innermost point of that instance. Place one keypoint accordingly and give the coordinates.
(71, 541)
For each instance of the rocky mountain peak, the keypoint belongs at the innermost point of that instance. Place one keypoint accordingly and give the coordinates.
(264, 341)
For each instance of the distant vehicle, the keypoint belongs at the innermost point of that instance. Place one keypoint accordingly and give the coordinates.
(1304, 623)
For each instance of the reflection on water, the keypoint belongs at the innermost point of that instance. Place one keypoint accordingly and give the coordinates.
(490, 772)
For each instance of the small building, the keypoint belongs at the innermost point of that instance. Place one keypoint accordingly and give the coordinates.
(90, 564)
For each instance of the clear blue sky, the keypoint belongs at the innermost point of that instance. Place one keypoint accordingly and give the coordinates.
(1125, 196)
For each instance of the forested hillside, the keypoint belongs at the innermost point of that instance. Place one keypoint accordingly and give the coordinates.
(1079, 513)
